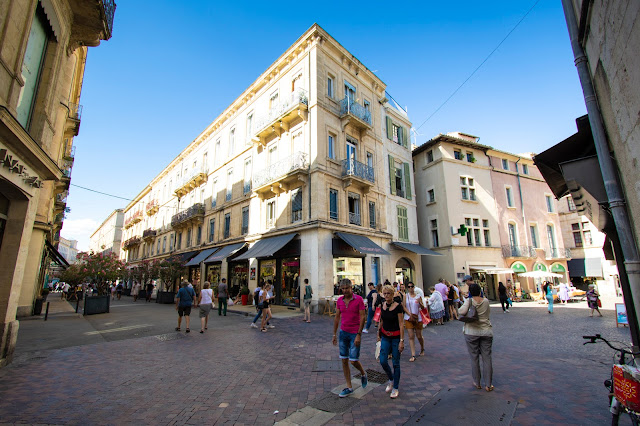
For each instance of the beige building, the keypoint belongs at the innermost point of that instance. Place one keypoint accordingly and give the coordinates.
(108, 237)
(291, 181)
(43, 48)
(68, 249)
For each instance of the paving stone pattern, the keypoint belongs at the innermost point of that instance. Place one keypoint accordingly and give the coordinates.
(237, 375)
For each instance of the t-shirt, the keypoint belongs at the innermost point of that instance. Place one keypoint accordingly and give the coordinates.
(350, 315)
(206, 294)
(389, 318)
(185, 296)
(370, 298)
(307, 292)
(66, 287)
(442, 289)
(222, 290)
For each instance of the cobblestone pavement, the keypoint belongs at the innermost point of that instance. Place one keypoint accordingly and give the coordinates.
(130, 367)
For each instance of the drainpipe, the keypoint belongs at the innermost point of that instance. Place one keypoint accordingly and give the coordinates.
(524, 216)
(614, 192)
(309, 132)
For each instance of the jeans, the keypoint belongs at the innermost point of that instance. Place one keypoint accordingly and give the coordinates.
(446, 310)
(389, 345)
(477, 346)
(258, 315)
(222, 301)
(370, 315)
(504, 301)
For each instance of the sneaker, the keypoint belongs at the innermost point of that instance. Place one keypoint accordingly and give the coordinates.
(394, 394)
(271, 326)
(365, 331)
(389, 387)
(507, 310)
(253, 325)
(364, 380)
(345, 392)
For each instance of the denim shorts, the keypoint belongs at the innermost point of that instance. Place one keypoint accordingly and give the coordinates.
(348, 348)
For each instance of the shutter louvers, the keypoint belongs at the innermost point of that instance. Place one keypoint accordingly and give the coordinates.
(407, 181)
(389, 129)
(392, 175)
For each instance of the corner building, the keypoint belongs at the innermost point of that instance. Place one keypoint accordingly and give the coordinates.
(307, 174)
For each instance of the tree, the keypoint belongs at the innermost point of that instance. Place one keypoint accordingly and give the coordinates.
(170, 269)
(146, 271)
(73, 275)
(101, 269)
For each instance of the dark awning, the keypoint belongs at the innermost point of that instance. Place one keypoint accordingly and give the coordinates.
(224, 252)
(415, 248)
(56, 256)
(589, 267)
(361, 243)
(184, 257)
(201, 256)
(267, 247)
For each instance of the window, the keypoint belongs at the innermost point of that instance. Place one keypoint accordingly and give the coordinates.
(430, 156)
(431, 195)
(571, 204)
(245, 220)
(272, 157)
(467, 188)
(470, 157)
(513, 236)
(333, 204)
(577, 235)
(214, 194)
(395, 131)
(216, 153)
(369, 159)
(179, 242)
(354, 209)
(352, 148)
(551, 236)
(367, 105)
(400, 179)
(435, 242)
(509, 194)
(403, 224)
(164, 244)
(227, 225)
(232, 142)
(212, 229)
(271, 214)
(296, 205)
(331, 86)
(505, 164)
(158, 247)
(205, 162)
(372, 215)
(171, 238)
(246, 187)
(273, 100)
(188, 242)
(331, 147)
(457, 154)
(549, 201)
(199, 235)
(485, 231)
(533, 230)
(525, 169)
(349, 92)
(249, 128)
(229, 185)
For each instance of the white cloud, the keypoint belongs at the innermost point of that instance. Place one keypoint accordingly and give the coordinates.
(80, 230)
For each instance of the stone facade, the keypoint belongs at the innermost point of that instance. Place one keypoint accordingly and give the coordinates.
(108, 237)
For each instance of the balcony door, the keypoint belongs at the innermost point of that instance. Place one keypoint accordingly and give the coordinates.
(352, 152)
(513, 238)
(349, 92)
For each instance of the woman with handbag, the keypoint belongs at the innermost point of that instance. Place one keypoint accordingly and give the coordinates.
(593, 300)
(412, 320)
(391, 338)
(479, 336)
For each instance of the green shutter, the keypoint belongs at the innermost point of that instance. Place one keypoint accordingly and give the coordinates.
(392, 175)
(407, 181)
(406, 140)
(389, 129)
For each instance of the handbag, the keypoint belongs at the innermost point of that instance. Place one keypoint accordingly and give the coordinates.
(424, 314)
(378, 344)
(471, 315)
(376, 315)
(599, 303)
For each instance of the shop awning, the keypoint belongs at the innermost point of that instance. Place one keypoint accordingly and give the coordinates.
(224, 252)
(184, 257)
(267, 247)
(589, 267)
(201, 256)
(361, 243)
(56, 256)
(415, 248)
(491, 270)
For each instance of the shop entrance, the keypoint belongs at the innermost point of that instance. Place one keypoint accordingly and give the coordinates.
(238, 276)
(404, 271)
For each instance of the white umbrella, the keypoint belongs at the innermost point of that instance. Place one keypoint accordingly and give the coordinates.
(540, 274)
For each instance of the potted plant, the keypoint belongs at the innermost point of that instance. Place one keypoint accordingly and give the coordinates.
(244, 295)
(169, 271)
(100, 269)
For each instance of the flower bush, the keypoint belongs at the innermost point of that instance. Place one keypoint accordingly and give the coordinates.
(101, 269)
(170, 269)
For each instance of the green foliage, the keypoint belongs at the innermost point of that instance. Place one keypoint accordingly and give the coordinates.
(169, 270)
(101, 269)
(244, 290)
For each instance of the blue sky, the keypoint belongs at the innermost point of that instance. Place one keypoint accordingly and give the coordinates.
(172, 67)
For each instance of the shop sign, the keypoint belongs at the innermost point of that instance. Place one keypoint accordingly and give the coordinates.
(14, 166)
(292, 263)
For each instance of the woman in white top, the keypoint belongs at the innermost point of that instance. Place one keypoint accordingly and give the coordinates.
(412, 319)
(479, 337)
(205, 301)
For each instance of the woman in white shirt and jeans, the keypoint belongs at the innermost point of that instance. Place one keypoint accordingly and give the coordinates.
(412, 319)
(205, 300)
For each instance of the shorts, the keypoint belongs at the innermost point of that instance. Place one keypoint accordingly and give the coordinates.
(348, 348)
(307, 303)
(204, 310)
(412, 324)
(184, 311)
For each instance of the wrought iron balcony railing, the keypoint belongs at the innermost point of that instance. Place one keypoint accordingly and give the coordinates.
(148, 233)
(191, 179)
(133, 219)
(62, 197)
(357, 169)
(195, 211)
(351, 107)
(519, 251)
(70, 154)
(279, 169)
(557, 253)
(133, 241)
(152, 207)
(279, 108)
(354, 218)
(75, 111)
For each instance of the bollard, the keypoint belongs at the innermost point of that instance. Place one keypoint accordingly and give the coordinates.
(77, 304)
(46, 313)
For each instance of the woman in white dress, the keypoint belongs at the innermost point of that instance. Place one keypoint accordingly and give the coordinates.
(436, 306)
(564, 293)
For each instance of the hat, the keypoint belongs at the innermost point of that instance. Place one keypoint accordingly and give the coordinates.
(467, 278)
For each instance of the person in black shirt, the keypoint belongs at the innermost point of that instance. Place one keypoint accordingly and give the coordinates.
(371, 306)
(391, 338)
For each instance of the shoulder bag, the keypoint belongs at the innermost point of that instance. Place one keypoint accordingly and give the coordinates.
(471, 315)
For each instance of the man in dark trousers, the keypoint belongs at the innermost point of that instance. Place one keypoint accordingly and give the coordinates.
(223, 294)
(185, 298)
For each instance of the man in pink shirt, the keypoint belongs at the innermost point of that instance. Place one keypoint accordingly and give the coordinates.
(442, 288)
(350, 316)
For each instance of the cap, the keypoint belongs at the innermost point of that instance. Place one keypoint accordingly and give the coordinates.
(467, 278)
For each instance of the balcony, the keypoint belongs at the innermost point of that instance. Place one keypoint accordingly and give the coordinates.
(351, 112)
(72, 125)
(131, 242)
(149, 234)
(354, 219)
(92, 22)
(280, 116)
(526, 252)
(557, 253)
(196, 177)
(133, 219)
(195, 213)
(357, 174)
(61, 202)
(281, 176)
(70, 154)
(152, 207)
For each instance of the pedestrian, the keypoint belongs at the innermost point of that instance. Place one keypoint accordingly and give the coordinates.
(547, 291)
(184, 299)
(266, 310)
(502, 294)
(119, 290)
(308, 296)
(391, 338)
(256, 302)
(223, 294)
(149, 291)
(350, 317)
(113, 291)
(436, 306)
(593, 300)
(452, 296)
(441, 287)
(372, 297)
(479, 338)
(412, 320)
(135, 290)
(564, 293)
(205, 301)
(65, 291)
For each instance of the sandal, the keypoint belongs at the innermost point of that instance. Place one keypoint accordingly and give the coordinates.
(188, 331)
(201, 331)
(177, 328)
(413, 358)
(421, 353)
(264, 330)
(477, 386)
(489, 388)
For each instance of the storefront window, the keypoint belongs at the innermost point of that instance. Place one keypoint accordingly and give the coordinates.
(213, 273)
(238, 274)
(267, 271)
(404, 271)
(351, 268)
(290, 295)
(194, 277)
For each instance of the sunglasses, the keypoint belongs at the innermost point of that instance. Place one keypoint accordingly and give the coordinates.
(410, 286)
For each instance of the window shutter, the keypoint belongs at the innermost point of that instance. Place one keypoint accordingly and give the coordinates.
(405, 137)
(389, 129)
(392, 175)
(407, 181)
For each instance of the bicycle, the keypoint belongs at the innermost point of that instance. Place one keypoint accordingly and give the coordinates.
(624, 388)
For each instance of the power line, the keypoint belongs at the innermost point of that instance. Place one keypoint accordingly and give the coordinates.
(481, 64)
(98, 192)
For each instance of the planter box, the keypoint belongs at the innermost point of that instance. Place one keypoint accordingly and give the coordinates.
(166, 297)
(37, 306)
(96, 304)
(126, 292)
(142, 294)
